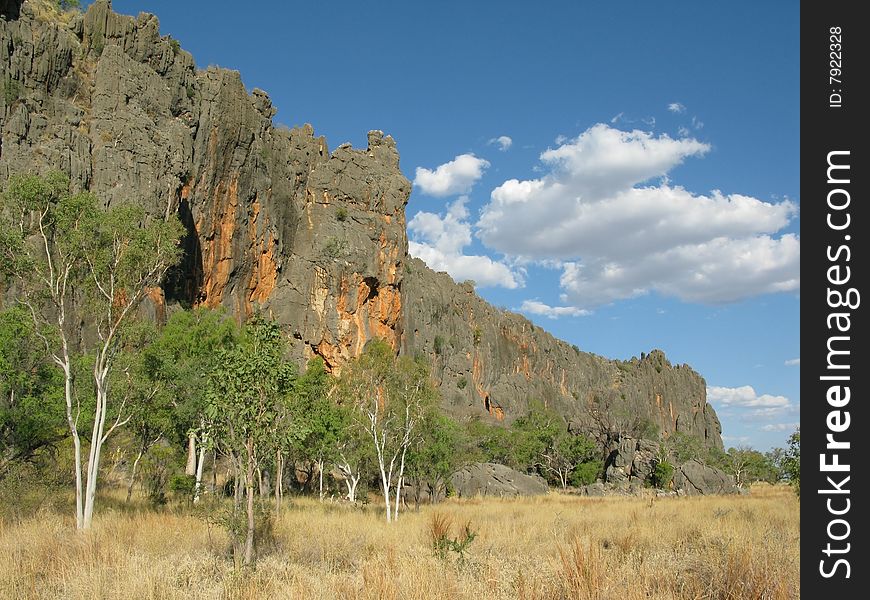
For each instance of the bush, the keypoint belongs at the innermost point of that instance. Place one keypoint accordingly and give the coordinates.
(183, 486)
(462, 383)
(586, 473)
(662, 474)
(439, 345)
(341, 213)
(334, 248)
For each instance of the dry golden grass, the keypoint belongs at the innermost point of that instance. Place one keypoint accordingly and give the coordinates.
(556, 546)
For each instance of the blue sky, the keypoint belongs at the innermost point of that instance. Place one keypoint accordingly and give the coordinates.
(625, 175)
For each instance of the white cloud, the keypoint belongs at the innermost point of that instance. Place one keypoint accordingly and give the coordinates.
(677, 107)
(745, 397)
(504, 142)
(440, 243)
(536, 307)
(455, 177)
(697, 123)
(619, 236)
(615, 119)
(793, 362)
(561, 139)
(683, 131)
(781, 427)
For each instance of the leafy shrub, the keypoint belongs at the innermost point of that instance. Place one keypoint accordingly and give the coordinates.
(183, 486)
(586, 473)
(439, 345)
(341, 214)
(462, 383)
(662, 474)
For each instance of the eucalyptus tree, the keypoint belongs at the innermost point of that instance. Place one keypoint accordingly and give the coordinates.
(246, 391)
(81, 272)
(391, 397)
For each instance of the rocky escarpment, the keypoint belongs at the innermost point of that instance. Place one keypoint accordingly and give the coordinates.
(277, 222)
(494, 360)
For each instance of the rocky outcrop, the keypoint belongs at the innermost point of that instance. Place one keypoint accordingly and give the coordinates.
(279, 223)
(697, 479)
(492, 479)
(631, 460)
(275, 221)
(492, 360)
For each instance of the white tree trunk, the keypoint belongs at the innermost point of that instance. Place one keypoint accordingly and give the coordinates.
(320, 466)
(199, 467)
(190, 469)
(399, 482)
(77, 442)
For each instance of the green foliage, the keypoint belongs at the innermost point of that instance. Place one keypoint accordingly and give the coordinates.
(315, 424)
(31, 392)
(791, 462)
(476, 335)
(684, 447)
(176, 46)
(462, 383)
(436, 454)
(335, 248)
(182, 485)
(68, 4)
(576, 348)
(662, 474)
(176, 364)
(190, 91)
(586, 472)
(341, 214)
(11, 90)
(246, 385)
(439, 345)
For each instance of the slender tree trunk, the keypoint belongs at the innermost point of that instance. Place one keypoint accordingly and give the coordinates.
(320, 464)
(199, 467)
(133, 472)
(399, 482)
(73, 429)
(279, 480)
(190, 469)
(96, 444)
(249, 477)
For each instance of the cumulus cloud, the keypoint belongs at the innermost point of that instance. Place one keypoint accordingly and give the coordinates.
(440, 240)
(745, 397)
(504, 142)
(781, 427)
(452, 178)
(536, 307)
(793, 362)
(606, 211)
(677, 107)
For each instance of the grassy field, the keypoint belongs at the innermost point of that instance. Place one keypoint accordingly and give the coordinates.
(556, 546)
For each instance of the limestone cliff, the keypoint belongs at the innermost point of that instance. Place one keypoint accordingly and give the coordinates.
(277, 222)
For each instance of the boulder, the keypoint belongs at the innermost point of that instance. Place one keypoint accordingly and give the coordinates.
(697, 479)
(492, 479)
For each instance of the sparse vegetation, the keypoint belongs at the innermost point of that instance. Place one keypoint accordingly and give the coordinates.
(335, 248)
(462, 383)
(175, 45)
(11, 90)
(341, 214)
(545, 548)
